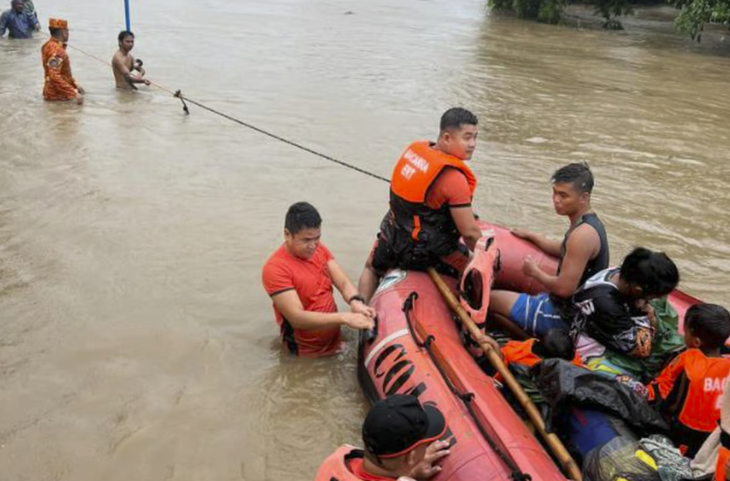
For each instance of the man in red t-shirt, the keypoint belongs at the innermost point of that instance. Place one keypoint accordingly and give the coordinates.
(431, 192)
(299, 278)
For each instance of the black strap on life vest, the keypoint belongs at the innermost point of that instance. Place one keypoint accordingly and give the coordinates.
(724, 438)
(466, 398)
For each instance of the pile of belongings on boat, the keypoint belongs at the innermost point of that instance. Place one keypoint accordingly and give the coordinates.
(603, 417)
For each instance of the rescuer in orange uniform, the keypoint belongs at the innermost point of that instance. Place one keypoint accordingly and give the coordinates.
(401, 439)
(431, 192)
(689, 390)
(59, 81)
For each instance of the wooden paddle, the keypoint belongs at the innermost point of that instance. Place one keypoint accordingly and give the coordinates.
(553, 442)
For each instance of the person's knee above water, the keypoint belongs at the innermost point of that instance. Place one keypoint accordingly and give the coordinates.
(401, 439)
(431, 193)
(127, 70)
(611, 310)
(582, 253)
(18, 22)
(299, 277)
(60, 84)
(688, 391)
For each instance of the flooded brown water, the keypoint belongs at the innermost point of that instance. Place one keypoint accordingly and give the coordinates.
(136, 341)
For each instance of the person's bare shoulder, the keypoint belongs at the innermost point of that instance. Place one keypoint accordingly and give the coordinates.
(118, 59)
(584, 237)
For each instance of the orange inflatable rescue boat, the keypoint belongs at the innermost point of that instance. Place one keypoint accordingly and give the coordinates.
(513, 250)
(416, 349)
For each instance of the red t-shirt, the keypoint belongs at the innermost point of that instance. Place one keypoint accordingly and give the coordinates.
(311, 280)
(451, 188)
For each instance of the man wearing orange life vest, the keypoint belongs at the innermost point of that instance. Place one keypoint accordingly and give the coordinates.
(431, 192)
(689, 390)
(401, 443)
(59, 82)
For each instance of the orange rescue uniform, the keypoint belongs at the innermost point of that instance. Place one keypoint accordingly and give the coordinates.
(688, 392)
(59, 82)
(346, 464)
(418, 230)
(414, 174)
(310, 279)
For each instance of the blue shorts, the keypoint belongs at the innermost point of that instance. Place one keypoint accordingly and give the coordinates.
(536, 314)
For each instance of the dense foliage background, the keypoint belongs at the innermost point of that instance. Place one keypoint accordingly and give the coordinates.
(693, 14)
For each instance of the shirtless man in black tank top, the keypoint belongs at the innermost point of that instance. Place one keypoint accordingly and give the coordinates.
(582, 252)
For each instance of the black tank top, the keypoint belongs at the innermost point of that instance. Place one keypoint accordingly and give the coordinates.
(598, 263)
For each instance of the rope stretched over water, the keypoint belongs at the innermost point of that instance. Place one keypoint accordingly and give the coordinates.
(178, 94)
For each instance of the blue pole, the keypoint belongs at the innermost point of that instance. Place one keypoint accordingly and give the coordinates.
(126, 12)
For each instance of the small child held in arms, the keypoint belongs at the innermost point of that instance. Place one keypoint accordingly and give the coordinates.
(688, 391)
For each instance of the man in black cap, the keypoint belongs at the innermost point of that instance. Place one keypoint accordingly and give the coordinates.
(401, 439)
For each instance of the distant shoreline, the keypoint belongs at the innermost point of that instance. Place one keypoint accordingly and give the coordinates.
(657, 19)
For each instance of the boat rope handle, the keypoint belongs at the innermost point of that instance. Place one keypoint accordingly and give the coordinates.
(467, 398)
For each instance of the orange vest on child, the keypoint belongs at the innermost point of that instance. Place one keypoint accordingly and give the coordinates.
(521, 352)
(689, 391)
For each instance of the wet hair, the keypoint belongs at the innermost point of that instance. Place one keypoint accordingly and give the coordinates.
(710, 323)
(300, 216)
(124, 34)
(455, 117)
(557, 343)
(578, 174)
(654, 272)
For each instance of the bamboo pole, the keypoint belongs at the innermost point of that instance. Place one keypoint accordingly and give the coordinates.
(505, 325)
(553, 442)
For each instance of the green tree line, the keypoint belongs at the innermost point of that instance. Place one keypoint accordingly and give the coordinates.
(693, 14)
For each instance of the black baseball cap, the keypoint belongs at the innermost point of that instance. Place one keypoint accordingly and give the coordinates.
(398, 424)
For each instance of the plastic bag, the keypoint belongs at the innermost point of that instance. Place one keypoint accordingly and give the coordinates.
(619, 459)
(563, 385)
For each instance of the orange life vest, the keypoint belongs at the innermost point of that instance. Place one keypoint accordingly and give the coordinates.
(522, 352)
(413, 176)
(690, 390)
(335, 467)
(722, 458)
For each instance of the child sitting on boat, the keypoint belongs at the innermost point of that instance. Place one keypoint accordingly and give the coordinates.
(688, 391)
